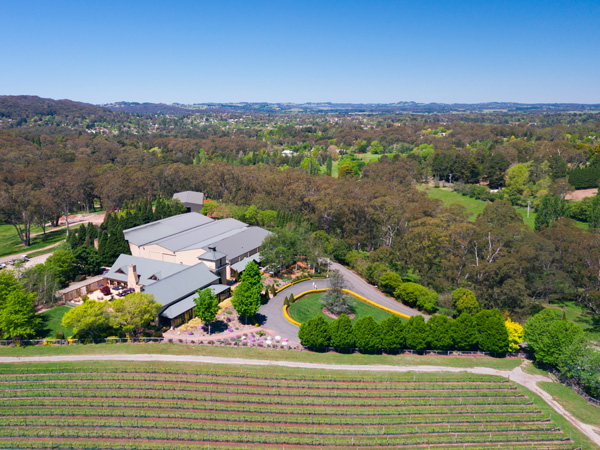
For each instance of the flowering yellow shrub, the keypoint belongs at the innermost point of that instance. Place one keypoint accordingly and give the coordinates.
(515, 335)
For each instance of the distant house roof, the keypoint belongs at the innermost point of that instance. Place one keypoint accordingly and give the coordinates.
(190, 198)
(181, 284)
(163, 229)
(240, 243)
(149, 271)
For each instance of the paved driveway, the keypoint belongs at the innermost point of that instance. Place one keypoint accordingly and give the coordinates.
(273, 310)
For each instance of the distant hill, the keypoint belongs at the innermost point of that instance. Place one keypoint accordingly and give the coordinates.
(148, 108)
(17, 107)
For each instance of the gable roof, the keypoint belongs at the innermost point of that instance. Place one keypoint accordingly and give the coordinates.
(181, 284)
(189, 198)
(163, 229)
(200, 236)
(240, 243)
(149, 270)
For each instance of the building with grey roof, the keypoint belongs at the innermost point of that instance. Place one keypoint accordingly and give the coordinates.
(193, 201)
(174, 257)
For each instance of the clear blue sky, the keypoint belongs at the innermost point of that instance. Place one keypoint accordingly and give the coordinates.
(299, 51)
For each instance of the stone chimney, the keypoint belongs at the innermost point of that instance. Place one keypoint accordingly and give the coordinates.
(132, 277)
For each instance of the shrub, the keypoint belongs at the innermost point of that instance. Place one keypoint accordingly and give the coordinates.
(60, 335)
(415, 295)
(416, 333)
(465, 333)
(440, 333)
(463, 300)
(515, 334)
(292, 300)
(342, 334)
(392, 333)
(368, 334)
(493, 336)
(389, 282)
(105, 290)
(314, 333)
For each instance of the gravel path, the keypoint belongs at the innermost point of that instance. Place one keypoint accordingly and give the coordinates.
(517, 374)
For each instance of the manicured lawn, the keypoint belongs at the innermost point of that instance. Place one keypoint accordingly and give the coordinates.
(309, 306)
(11, 245)
(573, 402)
(52, 319)
(263, 354)
(581, 316)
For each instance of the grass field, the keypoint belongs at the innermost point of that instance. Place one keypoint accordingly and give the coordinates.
(263, 354)
(167, 406)
(309, 306)
(573, 402)
(475, 207)
(581, 316)
(11, 245)
(52, 319)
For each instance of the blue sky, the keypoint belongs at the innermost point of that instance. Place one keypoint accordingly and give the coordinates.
(302, 51)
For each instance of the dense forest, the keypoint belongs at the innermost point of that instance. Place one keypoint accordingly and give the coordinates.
(350, 180)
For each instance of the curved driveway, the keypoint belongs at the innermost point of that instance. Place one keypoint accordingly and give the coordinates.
(273, 310)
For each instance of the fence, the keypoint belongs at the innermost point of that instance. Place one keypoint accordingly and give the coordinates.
(236, 342)
(575, 386)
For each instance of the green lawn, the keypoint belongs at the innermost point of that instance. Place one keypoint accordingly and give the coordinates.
(51, 324)
(573, 402)
(263, 354)
(564, 424)
(581, 316)
(10, 243)
(475, 207)
(309, 306)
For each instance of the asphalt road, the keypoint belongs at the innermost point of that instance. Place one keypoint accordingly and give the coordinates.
(273, 310)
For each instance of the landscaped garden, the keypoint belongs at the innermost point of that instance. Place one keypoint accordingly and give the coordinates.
(310, 306)
(52, 323)
(105, 405)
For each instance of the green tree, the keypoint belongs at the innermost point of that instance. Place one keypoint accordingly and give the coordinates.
(335, 300)
(314, 333)
(134, 312)
(252, 215)
(413, 294)
(537, 327)
(389, 282)
(367, 333)
(342, 335)
(552, 208)
(329, 165)
(62, 263)
(416, 333)
(103, 250)
(560, 335)
(90, 319)
(207, 306)
(464, 300)
(246, 296)
(392, 333)
(87, 260)
(493, 335)
(17, 313)
(465, 333)
(441, 336)
(81, 235)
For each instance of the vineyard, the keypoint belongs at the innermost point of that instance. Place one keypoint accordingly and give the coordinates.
(142, 406)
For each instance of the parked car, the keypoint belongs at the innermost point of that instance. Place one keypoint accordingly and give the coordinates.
(2, 266)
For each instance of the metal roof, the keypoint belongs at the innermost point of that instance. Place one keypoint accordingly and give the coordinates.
(245, 241)
(189, 302)
(241, 265)
(206, 233)
(181, 284)
(163, 229)
(145, 268)
(190, 198)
